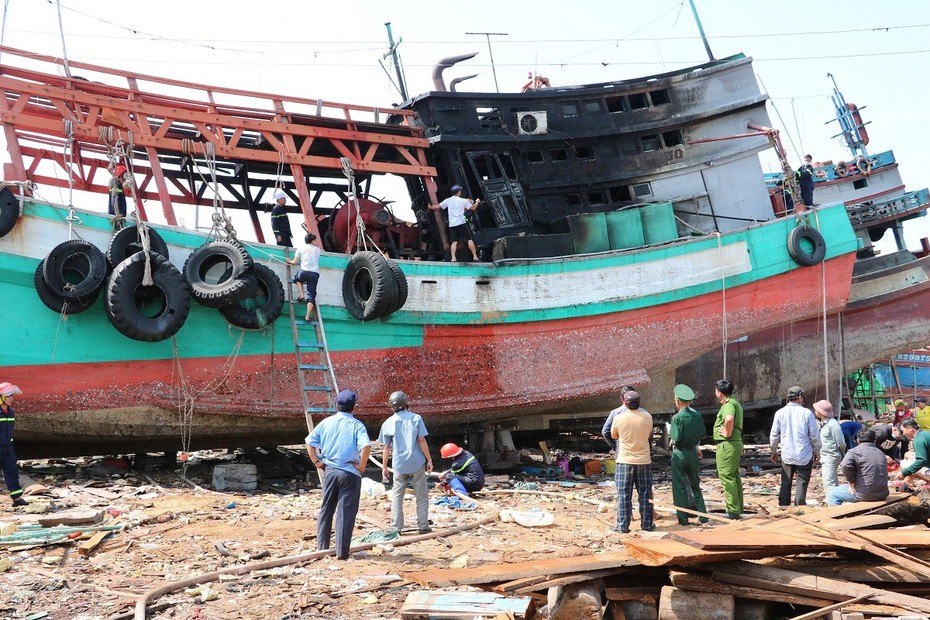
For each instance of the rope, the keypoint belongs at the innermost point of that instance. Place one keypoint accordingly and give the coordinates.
(362, 238)
(69, 157)
(723, 294)
(823, 297)
(222, 224)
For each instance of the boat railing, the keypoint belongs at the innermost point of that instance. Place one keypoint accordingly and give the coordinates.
(831, 171)
(911, 203)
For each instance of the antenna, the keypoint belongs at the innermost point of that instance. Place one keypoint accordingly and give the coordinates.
(710, 54)
(490, 53)
(392, 52)
(851, 125)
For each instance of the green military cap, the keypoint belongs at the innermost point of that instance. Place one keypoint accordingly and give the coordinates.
(684, 393)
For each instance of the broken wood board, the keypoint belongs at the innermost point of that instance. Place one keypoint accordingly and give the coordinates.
(708, 540)
(648, 595)
(71, 518)
(494, 573)
(463, 605)
(860, 572)
(88, 546)
(665, 552)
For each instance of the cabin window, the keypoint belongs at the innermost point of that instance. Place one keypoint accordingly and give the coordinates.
(593, 107)
(570, 108)
(535, 157)
(629, 147)
(606, 150)
(573, 200)
(651, 143)
(616, 104)
(584, 152)
(619, 194)
(510, 171)
(861, 183)
(659, 97)
(595, 198)
(642, 190)
(487, 167)
(672, 138)
(559, 155)
(490, 118)
(638, 101)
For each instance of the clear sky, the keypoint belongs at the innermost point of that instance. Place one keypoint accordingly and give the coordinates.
(877, 52)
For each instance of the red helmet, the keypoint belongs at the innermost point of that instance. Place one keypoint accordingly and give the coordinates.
(120, 169)
(450, 450)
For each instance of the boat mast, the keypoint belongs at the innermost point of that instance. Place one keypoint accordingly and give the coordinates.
(849, 125)
(392, 52)
(697, 19)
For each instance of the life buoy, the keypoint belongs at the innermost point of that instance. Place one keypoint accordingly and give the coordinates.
(806, 245)
(402, 289)
(147, 313)
(218, 273)
(10, 210)
(74, 269)
(126, 242)
(368, 286)
(56, 303)
(864, 165)
(263, 307)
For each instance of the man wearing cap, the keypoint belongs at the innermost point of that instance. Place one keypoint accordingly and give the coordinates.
(632, 429)
(795, 431)
(728, 435)
(686, 433)
(339, 447)
(403, 436)
(609, 422)
(308, 257)
(832, 444)
(920, 439)
(7, 455)
(866, 470)
(280, 224)
(456, 206)
(922, 413)
(120, 185)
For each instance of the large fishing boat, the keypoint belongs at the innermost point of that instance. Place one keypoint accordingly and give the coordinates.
(623, 232)
(887, 305)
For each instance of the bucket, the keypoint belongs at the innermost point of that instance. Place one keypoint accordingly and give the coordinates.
(593, 468)
(610, 467)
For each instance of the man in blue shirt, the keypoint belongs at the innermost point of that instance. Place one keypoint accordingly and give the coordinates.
(404, 435)
(339, 446)
(795, 430)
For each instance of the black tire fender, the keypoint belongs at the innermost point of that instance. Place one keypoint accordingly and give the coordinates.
(806, 246)
(402, 288)
(126, 242)
(261, 309)
(216, 273)
(368, 287)
(75, 268)
(10, 210)
(56, 303)
(147, 313)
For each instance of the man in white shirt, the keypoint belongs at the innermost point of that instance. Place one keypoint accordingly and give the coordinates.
(308, 256)
(458, 228)
(795, 430)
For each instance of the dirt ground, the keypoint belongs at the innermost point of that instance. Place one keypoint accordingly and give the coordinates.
(176, 528)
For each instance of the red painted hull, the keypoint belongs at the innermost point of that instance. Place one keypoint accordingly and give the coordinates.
(524, 373)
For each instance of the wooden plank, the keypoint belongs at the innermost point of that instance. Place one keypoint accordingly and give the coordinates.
(750, 539)
(678, 604)
(72, 518)
(905, 539)
(87, 547)
(491, 573)
(823, 611)
(703, 583)
(648, 595)
(465, 605)
(860, 572)
(566, 580)
(665, 552)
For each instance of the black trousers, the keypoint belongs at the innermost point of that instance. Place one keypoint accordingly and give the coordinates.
(342, 491)
(803, 474)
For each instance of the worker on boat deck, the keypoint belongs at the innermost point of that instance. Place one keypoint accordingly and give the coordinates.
(867, 472)
(465, 475)
(832, 444)
(786, 196)
(920, 439)
(686, 433)
(609, 422)
(119, 186)
(308, 257)
(7, 455)
(456, 206)
(805, 176)
(795, 431)
(339, 447)
(632, 429)
(280, 224)
(403, 436)
(922, 413)
(728, 435)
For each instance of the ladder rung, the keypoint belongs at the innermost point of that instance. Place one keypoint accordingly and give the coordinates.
(320, 410)
(310, 345)
(303, 322)
(317, 388)
(313, 366)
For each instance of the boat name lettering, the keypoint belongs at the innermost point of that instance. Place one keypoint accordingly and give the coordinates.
(912, 357)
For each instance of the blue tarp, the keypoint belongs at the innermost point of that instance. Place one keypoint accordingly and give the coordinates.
(913, 378)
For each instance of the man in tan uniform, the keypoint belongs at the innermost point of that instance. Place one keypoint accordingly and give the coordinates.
(632, 428)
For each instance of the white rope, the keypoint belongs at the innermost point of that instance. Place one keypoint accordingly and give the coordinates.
(222, 224)
(723, 294)
(823, 297)
(362, 237)
(61, 31)
(69, 158)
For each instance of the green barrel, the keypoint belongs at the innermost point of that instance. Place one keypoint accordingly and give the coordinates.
(658, 222)
(625, 229)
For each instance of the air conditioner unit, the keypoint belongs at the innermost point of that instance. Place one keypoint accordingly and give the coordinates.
(532, 123)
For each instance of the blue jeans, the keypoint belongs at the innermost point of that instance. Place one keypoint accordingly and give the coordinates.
(840, 495)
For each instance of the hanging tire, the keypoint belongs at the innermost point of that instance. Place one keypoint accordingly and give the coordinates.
(75, 269)
(216, 273)
(10, 210)
(261, 309)
(126, 242)
(402, 289)
(368, 287)
(806, 246)
(147, 313)
(55, 302)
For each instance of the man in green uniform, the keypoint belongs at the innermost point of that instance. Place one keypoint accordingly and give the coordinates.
(686, 433)
(728, 434)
